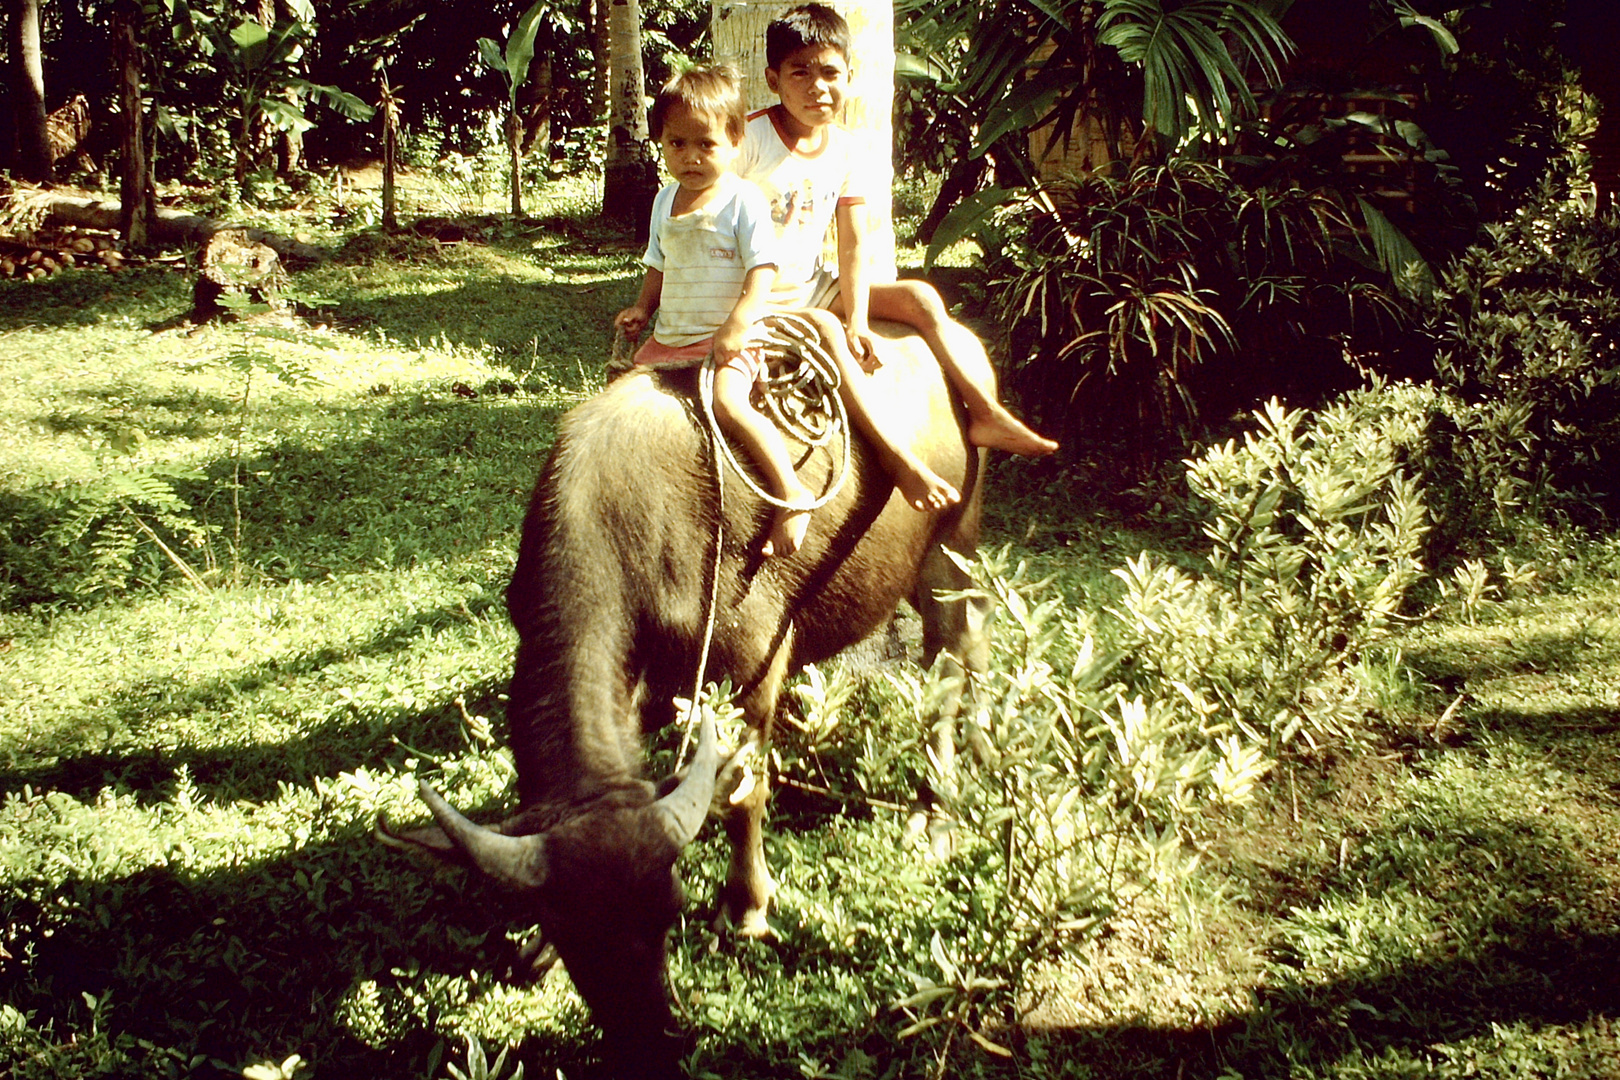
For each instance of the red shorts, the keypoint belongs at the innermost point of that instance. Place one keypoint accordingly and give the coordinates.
(656, 354)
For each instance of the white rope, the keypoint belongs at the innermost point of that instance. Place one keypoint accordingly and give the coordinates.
(800, 392)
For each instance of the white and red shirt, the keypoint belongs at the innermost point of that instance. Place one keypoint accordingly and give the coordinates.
(805, 188)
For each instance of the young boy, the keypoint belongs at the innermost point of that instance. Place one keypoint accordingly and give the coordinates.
(801, 159)
(710, 266)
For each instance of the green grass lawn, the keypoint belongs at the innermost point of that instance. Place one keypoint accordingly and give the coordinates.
(191, 761)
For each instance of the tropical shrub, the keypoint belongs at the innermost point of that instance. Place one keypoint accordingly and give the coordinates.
(1140, 308)
(1103, 740)
(1024, 76)
(1316, 534)
(1526, 326)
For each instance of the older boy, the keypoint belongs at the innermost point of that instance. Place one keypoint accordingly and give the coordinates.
(801, 159)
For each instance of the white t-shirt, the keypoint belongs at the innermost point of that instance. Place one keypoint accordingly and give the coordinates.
(804, 192)
(704, 255)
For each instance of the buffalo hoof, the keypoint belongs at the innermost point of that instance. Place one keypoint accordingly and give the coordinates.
(534, 960)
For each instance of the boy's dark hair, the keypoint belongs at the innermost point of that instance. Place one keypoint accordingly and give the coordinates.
(715, 90)
(806, 25)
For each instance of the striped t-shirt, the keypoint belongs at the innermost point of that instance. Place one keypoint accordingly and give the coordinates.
(704, 255)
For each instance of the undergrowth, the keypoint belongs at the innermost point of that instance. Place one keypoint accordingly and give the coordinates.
(1223, 809)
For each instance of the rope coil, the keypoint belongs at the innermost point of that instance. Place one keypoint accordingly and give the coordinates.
(799, 393)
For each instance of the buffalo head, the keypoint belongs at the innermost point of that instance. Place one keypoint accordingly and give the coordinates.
(602, 884)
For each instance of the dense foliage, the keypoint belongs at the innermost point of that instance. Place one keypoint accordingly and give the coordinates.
(201, 94)
(1139, 309)
(1527, 333)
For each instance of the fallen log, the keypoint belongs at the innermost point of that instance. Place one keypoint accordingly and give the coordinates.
(168, 227)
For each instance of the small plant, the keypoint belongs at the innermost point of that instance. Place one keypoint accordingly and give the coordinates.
(479, 1067)
(1077, 799)
(1471, 587)
(1316, 533)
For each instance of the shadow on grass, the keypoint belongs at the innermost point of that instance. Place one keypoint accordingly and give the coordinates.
(342, 742)
(260, 959)
(560, 330)
(444, 478)
(1420, 1016)
(1547, 688)
(1507, 949)
(80, 298)
(344, 952)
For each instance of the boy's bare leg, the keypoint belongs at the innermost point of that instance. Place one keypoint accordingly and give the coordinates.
(765, 445)
(921, 486)
(966, 364)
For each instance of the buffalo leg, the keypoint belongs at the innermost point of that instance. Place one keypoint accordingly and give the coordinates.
(956, 630)
(749, 886)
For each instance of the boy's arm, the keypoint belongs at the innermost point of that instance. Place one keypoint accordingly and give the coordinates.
(751, 306)
(853, 288)
(633, 319)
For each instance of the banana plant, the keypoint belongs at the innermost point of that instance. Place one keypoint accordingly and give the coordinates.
(512, 62)
(1151, 77)
(259, 63)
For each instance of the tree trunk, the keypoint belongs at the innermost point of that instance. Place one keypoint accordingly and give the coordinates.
(170, 226)
(601, 48)
(739, 38)
(536, 101)
(289, 144)
(28, 92)
(630, 176)
(514, 145)
(136, 195)
(388, 110)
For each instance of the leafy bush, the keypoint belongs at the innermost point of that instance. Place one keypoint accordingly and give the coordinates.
(1140, 308)
(1526, 327)
(1316, 535)
(1096, 765)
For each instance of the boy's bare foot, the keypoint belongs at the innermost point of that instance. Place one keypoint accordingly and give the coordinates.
(1001, 430)
(790, 525)
(923, 488)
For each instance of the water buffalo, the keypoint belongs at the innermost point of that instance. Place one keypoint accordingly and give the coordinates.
(609, 597)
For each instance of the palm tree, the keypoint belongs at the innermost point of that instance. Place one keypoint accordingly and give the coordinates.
(1148, 78)
(28, 92)
(630, 174)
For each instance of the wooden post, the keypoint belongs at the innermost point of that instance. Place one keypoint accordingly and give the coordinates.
(738, 29)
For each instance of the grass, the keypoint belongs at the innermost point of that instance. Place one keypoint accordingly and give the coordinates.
(190, 770)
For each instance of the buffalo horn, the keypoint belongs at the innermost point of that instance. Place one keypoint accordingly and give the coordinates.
(519, 861)
(685, 808)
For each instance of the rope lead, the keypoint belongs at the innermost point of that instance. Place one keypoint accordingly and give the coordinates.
(800, 393)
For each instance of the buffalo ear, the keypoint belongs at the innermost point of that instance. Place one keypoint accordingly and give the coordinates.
(519, 861)
(683, 810)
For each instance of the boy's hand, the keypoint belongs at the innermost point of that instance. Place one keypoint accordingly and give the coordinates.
(729, 341)
(631, 322)
(861, 344)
